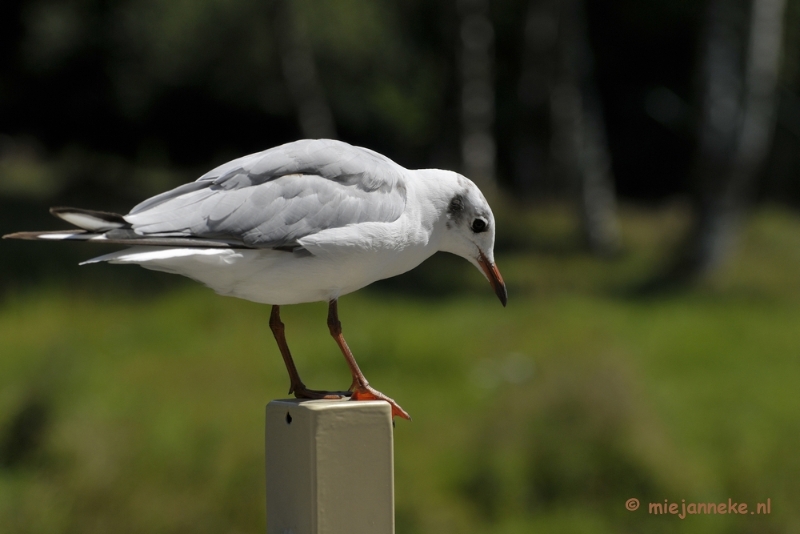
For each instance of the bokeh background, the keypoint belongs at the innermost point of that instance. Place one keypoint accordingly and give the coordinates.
(642, 159)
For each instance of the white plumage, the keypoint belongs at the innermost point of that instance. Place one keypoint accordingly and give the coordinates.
(307, 221)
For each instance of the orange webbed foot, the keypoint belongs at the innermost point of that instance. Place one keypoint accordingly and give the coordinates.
(369, 393)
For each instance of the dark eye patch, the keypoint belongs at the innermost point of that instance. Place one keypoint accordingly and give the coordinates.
(457, 204)
(479, 225)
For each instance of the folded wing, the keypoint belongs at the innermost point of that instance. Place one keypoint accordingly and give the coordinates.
(273, 198)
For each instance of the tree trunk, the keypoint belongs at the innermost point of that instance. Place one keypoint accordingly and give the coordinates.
(578, 146)
(477, 91)
(533, 155)
(741, 56)
(299, 70)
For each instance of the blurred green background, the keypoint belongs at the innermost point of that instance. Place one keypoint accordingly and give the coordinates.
(641, 160)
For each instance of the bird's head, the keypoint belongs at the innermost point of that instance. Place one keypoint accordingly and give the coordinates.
(469, 230)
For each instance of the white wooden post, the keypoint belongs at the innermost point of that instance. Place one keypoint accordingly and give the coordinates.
(329, 467)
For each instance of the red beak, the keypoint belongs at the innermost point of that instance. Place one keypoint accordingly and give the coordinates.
(491, 272)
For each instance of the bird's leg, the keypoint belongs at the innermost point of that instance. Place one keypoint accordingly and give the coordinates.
(296, 385)
(360, 388)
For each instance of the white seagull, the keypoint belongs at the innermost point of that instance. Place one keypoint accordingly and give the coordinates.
(307, 221)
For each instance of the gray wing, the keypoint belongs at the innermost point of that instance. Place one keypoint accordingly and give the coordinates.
(275, 197)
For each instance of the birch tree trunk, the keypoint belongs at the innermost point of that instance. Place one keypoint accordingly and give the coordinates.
(557, 62)
(579, 146)
(299, 69)
(476, 61)
(742, 51)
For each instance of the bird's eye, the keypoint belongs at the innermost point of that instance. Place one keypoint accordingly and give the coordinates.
(479, 225)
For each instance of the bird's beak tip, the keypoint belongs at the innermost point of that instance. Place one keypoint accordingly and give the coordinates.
(502, 292)
(493, 274)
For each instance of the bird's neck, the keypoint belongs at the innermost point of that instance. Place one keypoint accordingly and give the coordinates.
(434, 190)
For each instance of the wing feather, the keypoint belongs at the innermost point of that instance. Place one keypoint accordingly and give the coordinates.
(275, 197)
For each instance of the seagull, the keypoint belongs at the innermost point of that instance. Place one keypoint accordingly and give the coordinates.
(306, 221)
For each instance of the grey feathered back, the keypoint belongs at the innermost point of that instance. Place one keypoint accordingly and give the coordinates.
(275, 197)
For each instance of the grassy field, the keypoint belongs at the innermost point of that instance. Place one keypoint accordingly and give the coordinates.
(134, 411)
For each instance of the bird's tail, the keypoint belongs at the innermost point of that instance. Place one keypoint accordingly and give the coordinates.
(112, 228)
